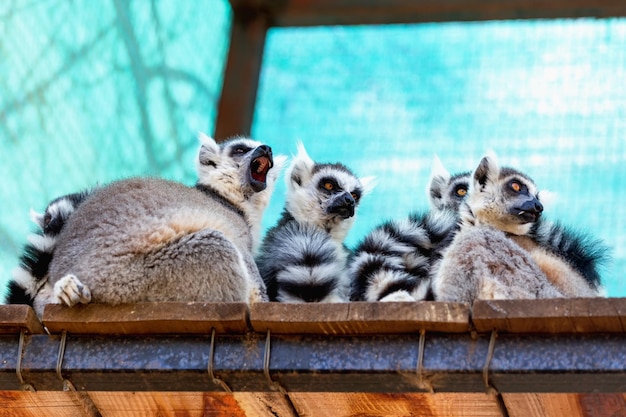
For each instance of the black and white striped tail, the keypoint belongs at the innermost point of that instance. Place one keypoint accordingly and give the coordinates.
(393, 261)
(32, 272)
(301, 263)
(581, 251)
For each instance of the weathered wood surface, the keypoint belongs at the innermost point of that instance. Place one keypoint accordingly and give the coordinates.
(197, 404)
(359, 318)
(582, 315)
(280, 318)
(15, 317)
(147, 318)
(570, 405)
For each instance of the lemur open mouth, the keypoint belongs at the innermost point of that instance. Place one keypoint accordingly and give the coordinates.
(260, 166)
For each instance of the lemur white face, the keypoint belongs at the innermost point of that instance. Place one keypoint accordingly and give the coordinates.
(326, 195)
(236, 164)
(449, 193)
(446, 191)
(503, 197)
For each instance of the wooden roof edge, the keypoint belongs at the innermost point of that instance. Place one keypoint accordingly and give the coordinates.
(17, 317)
(581, 315)
(562, 315)
(148, 318)
(354, 318)
(280, 318)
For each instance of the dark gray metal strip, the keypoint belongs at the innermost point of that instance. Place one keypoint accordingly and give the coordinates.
(322, 363)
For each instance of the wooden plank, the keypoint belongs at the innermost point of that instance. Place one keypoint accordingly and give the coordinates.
(167, 404)
(265, 404)
(192, 404)
(147, 318)
(17, 317)
(571, 405)
(581, 315)
(359, 12)
(395, 405)
(243, 67)
(359, 318)
(46, 404)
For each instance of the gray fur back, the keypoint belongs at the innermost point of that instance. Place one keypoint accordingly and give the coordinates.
(156, 240)
(483, 263)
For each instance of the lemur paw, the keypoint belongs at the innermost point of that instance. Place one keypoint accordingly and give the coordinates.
(70, 291)
(398, 296)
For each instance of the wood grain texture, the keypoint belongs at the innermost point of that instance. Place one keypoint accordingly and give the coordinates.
(577, 315)
(570, 405)
(46, 404)
(359, 318)
(395, 405)
(197, 404)
(147, 318)
(166, 404)
(16, 317)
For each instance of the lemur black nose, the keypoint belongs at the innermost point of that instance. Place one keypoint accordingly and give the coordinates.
(531, 206)
(343, 205)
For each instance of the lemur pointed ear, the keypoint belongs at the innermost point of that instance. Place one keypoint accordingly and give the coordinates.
(208, 149)
(368, 183)
(205, 139)
(37, 218)
(487, 168)
(301, 167)
(438, 170)
(439, 178)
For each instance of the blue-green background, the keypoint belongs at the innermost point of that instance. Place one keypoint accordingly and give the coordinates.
(95, 91)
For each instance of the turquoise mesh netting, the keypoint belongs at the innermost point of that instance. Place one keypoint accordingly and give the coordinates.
(108, 90)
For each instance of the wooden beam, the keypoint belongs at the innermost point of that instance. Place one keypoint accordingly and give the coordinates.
(582, 315)
(376, 12)
(243, 66)
(147, 318)
(17, 317)
(359, 318)
(571, 405)
(198, 404)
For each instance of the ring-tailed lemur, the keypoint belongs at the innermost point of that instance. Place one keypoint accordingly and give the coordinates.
(303, 257)
(32, 273)
(579, 250)
(393, 262)
(147, 239)
(446, 191)
(496, 255)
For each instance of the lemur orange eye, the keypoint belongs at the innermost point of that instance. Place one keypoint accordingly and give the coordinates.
(515, 186)
(461, 192)
(329, 186)
(355, 196)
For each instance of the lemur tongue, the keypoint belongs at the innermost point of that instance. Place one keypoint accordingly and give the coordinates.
(260, 167)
